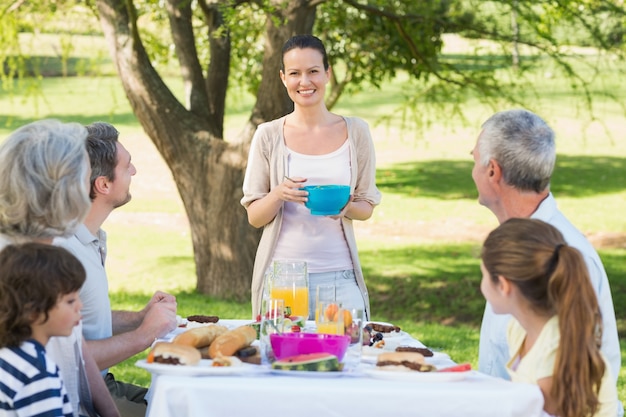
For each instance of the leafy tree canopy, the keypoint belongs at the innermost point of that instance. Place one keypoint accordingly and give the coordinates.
(369, 42)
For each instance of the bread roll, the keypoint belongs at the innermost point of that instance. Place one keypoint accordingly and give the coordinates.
(230, 342)
(169, 353)
(199, 337)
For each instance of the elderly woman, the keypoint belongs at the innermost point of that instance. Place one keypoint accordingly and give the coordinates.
(44, 193)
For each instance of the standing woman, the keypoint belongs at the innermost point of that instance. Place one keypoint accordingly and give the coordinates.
(311, 146)
(554, 337)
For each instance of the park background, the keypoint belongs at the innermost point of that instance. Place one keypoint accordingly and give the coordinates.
(420, 250)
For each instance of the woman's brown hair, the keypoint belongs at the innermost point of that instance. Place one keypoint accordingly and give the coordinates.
(554, 278)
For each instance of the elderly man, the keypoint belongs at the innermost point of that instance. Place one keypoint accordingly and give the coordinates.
(514, 158)
(113, 336)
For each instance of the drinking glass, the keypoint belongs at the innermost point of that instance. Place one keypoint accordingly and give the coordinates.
(324, 293)
(289, 281)
(272, 320)
(329, 317)
(354, 320)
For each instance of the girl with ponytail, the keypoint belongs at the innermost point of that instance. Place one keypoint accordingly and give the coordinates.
(554, 337)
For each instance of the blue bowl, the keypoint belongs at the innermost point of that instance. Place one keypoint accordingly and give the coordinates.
(327, 200)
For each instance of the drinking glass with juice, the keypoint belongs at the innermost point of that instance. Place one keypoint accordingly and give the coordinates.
(329, 318)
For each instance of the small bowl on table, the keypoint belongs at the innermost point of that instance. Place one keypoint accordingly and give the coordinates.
(293, 344)
(327, 200)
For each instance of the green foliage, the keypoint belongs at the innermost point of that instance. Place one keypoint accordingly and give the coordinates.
(595, 23)
(245, 25)
(358, 38)
(369, 43)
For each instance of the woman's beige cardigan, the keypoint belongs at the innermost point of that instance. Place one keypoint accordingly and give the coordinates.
(267, 163)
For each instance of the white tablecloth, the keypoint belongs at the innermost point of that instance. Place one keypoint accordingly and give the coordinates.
(347, 396)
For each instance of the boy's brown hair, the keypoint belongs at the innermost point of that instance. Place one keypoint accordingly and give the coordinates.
(33, 276)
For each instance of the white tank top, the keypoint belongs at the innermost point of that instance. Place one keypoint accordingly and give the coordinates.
(318, 240)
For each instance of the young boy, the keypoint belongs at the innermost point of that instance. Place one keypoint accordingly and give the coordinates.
(39, 287)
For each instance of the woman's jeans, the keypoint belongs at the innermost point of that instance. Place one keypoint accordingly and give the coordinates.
(347, 291)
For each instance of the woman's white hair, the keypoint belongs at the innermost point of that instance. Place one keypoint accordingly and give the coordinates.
(44, 190)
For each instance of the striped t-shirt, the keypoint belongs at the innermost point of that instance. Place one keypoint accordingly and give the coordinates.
(30, 383)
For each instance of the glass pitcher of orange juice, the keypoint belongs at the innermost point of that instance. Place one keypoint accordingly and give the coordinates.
(289, 280)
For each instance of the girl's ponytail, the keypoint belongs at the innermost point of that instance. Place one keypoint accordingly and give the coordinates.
(579, 367)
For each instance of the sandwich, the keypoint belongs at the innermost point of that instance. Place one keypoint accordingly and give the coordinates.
(403, 361)
(173, 354)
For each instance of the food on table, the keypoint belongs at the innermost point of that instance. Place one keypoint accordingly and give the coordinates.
(347, 318)
(256, 325)
(291, 320)
(367, 336)
(199, 337)
(353, 332)
(332, 312)
(230, 342)
(384, 328)
(464, 367)
(249, 354)
(204, 352)
(226, 361)
(246, 351)
(318, 362)
(424, 351)
(403, 361)
(198, 318)
(371, 338)
(378, 344)
(172, 354)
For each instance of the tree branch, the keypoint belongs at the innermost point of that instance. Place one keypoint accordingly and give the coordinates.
(218, 70)
(180, 15)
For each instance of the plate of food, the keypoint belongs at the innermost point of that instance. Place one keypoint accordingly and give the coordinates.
(413, 366)
(173, 359)
(203, 368)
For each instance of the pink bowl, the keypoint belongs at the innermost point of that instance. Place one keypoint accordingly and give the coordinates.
(292, 344)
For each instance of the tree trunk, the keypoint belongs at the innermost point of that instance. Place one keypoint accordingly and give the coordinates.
(208, 171)
(297, 17)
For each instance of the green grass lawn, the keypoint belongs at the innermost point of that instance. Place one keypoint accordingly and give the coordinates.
(426, 283)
